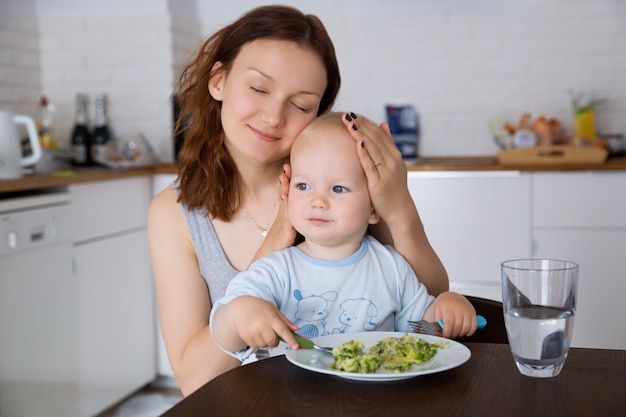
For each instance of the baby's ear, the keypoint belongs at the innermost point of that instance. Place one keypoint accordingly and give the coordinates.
(374, 217)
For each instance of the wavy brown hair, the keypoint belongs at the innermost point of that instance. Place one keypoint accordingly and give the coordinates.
(207, 174)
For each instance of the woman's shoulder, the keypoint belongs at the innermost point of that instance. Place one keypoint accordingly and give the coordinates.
(165, 208)
(167, 198)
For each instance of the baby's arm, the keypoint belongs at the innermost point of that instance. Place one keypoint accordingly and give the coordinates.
(250, 321)
(458, 314)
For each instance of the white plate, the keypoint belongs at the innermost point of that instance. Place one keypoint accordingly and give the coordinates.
(456, 354)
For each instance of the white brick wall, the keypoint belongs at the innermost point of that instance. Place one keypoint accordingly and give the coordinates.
(133, 57)
(20, 85)
(458, 62)
(127, 57)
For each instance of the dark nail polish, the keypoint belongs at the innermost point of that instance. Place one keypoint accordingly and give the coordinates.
(354, 127)
(348, 118)
(362, 144)
(353, 115)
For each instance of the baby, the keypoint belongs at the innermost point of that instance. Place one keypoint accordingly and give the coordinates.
(339, 279)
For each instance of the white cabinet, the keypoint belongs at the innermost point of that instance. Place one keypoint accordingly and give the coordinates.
(105, 208)
(581, 217)
(591, 199)
(474, 220)
(38, 369)
(116, 319)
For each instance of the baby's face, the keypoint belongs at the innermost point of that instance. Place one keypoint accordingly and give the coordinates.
(329, 202)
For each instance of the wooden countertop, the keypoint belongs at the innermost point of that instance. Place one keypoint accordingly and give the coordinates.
(486, 163)
(64, 178)
(490, 163)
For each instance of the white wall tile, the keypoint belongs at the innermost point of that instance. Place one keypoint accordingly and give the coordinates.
(458, 62)
(20, 86)
(119, 55)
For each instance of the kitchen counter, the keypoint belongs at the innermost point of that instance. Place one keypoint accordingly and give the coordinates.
(490, 163)
(478, 163)
(32, 182)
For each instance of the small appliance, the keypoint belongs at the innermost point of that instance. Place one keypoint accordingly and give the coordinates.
(12, 159)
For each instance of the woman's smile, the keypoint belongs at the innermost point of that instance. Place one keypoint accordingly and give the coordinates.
(263, 135)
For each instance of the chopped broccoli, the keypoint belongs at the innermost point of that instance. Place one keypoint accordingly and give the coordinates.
(351, 357)
(392, 353)
(400, 354)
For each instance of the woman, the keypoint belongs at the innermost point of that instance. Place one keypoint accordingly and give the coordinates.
(252, 87)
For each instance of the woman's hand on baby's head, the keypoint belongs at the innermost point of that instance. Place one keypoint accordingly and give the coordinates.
(382, 162)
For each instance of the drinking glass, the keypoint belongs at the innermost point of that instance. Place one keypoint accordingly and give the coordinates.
(539, 301)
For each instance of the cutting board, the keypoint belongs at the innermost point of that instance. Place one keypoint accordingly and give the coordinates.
(552, 155)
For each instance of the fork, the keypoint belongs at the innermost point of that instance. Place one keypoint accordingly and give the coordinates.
(305, 343)
(435, 329)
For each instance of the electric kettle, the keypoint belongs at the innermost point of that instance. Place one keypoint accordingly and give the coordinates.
(11, 158)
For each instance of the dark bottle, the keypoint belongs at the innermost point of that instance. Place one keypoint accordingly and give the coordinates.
(177, 130)
(81, 138)
(101, 131)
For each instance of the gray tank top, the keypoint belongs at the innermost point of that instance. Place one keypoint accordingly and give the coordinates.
(214, 266)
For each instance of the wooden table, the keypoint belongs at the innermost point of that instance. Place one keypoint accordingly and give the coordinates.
(593, 383)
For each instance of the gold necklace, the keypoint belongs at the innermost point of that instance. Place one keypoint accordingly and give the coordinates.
(264, 230)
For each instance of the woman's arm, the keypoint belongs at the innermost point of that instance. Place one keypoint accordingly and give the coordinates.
(401, 225)
(183, 301)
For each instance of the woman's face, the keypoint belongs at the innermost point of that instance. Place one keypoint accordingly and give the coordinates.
(271, 93)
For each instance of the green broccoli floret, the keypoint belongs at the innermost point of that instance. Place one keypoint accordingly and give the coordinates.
(392, 353)
(351, 357)
(400, 354)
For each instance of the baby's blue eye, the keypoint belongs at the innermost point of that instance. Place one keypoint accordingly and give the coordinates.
(303, 187)
(339, 189)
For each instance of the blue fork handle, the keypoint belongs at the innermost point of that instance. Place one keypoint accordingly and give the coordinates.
(482, 322)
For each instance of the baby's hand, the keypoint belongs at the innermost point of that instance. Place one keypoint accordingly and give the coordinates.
(258, 322)
(458, 314)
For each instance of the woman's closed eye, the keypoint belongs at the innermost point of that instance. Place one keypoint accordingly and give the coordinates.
(298, 107)
(302, 109)
(258, 90)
